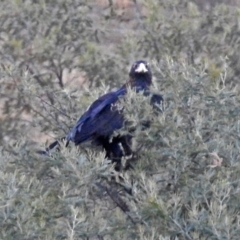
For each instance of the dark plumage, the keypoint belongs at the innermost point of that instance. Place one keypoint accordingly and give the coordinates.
(103, 117)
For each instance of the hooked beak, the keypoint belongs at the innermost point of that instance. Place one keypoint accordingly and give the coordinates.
(141, 68)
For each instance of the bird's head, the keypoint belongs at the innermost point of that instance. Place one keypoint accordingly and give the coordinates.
(141, 73)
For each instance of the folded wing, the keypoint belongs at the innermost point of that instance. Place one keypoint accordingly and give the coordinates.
(101, 119)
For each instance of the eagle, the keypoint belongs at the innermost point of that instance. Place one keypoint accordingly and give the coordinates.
(103, 117)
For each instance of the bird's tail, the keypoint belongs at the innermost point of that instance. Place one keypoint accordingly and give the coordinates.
(50, 147)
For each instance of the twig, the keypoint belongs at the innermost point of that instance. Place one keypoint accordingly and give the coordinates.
(54, 108)
(113, 194)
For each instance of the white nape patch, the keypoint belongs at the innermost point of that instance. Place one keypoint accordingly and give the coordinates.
(141, 68)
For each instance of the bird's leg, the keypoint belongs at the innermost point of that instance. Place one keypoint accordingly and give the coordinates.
(117, 148)
(113, 150)
(126, 143)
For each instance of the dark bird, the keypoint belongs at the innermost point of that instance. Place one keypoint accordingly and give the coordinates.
(103, 116)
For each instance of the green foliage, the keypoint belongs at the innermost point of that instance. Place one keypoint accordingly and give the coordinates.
(185, 181)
